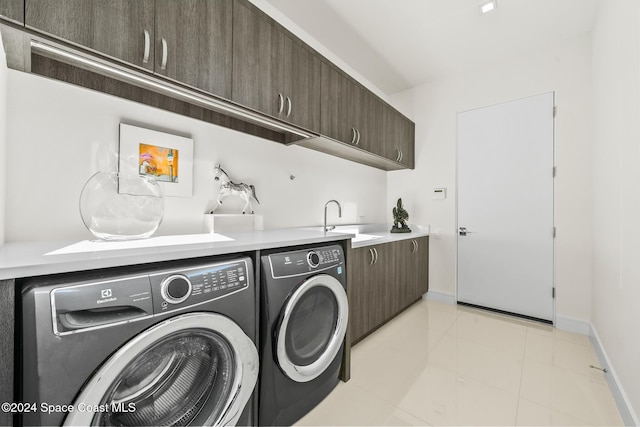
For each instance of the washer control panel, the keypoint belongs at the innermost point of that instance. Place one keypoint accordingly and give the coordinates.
(178, 289)
(302, 262)
(95, 302)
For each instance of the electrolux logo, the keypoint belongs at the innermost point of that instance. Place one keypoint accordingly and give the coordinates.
(106, 295)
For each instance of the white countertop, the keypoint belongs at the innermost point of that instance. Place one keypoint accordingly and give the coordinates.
(29, 259)
(375, 234)
(43, 258)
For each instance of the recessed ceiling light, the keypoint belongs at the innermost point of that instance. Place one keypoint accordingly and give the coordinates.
(488, 6)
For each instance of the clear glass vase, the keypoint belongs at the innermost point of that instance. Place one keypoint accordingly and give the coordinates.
(118, 207)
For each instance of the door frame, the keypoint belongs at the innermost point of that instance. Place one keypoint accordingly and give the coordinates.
(554, 250)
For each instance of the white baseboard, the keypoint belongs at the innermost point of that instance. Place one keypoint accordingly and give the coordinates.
(570, 324)
(627, 413)
(443, 297)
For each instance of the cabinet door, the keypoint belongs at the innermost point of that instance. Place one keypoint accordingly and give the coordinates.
(193, 43)
(385, 284)
(404, 274)
(360, 292)
(301, 85)
(368, 124)
(340, 105)
(406, 141)
(416, 266)
(12, 10)
(422, 261)
(122, 29)
(258, 52)
(398, 140)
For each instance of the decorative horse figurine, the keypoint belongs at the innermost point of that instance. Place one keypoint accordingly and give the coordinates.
(228, 188)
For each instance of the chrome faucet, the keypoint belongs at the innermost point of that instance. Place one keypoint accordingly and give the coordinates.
(325, 214)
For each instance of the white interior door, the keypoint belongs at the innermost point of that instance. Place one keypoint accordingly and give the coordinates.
(505, 204)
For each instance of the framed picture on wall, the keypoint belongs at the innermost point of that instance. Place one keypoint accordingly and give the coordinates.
(165, 157)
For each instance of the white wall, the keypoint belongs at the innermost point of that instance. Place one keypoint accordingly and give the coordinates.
(563, 68)
(616, 177)
(3, 135)
(59, 135)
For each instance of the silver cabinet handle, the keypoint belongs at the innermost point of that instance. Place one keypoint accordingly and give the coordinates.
(147, 47)
(376, 252)
(401, 155)
(288, 107)
(280, 103)
(398, 156)
(358, 139)
(165, 52)
(414, 246)
(373, 257)
(355, 135)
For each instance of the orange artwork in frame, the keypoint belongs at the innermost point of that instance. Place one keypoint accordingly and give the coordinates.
(159, 162)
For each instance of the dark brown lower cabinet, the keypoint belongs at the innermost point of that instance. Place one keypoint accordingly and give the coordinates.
(414, 274)
(361, 273)
(7, 322)
(383, 280)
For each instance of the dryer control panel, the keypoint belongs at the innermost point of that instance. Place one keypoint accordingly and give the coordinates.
(177, 289)
(302, 262)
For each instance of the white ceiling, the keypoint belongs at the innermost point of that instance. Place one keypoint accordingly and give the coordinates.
(399, 44)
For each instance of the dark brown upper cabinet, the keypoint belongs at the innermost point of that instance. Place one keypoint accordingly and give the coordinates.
(350, 113)
(187, 41)
(273, 72)
(355, 116)
(122, 29)
(193, 43)
(369, 123)
(341, 106)
(233, 50)
(12, 10)
(398, 135)
(302, 77)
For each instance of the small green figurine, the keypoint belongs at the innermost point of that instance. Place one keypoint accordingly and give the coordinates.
(400, 217)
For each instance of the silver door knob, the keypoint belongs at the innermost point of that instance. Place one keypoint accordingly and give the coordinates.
(463, 231)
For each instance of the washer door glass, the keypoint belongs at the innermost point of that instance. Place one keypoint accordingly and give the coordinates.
(170, 383)
(193, 369)
(312, 329)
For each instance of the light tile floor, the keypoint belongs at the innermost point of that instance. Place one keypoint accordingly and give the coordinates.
(440, 364)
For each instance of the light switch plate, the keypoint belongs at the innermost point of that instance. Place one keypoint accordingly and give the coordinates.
(439, 193)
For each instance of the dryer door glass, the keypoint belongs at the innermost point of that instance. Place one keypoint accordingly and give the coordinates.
(170, 383)
(311, 325)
